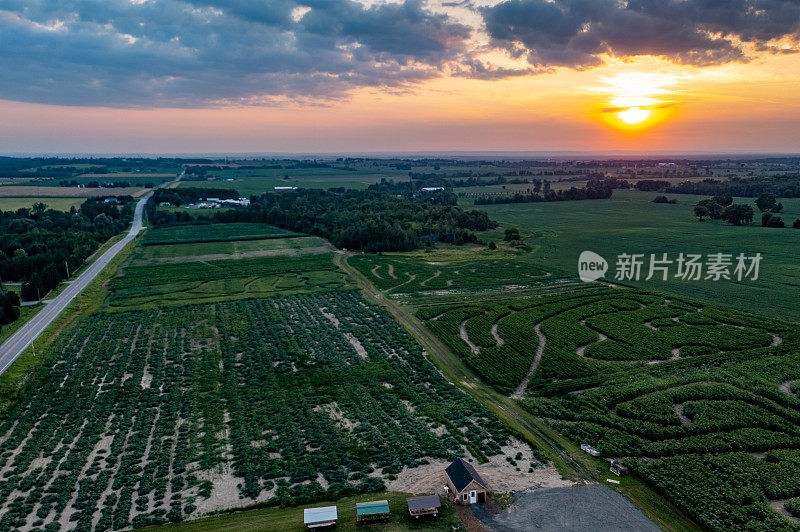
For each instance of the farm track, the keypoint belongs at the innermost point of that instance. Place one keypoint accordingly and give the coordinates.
(566, 456)
(520, 391)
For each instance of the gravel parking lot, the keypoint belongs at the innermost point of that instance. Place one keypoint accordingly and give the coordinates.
(577, 508)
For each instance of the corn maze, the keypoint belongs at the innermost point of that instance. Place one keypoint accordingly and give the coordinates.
(144, 286)
(157, 415)
(700, 401)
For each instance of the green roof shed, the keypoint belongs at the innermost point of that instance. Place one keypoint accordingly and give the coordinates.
(372, 510)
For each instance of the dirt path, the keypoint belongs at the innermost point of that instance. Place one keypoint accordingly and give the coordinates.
(462, 331)
(778, 506)
(582, 349)
(431, 278)
(679, 410)
(497, 338)
(786, 387)
(776, 340)
(520, 391)
(374, 271)
(391, 271)
(411, 278)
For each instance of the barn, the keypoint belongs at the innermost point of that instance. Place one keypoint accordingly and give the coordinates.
(464, 483)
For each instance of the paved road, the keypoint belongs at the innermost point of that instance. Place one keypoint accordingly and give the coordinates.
(20, 340)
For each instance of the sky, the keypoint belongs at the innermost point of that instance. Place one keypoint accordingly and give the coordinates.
(326, 76)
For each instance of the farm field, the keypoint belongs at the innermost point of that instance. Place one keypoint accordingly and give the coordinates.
(232, 249)
(170, 426)
(630, 223)
(212, 233)
(59, 204)
(452, 275)
(701, 401)
(145, 284)
(258, 181)
(36, 191)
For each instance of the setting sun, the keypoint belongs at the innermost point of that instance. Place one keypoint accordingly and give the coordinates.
(634, 115)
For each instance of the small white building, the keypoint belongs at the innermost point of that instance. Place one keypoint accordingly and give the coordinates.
(284, 189)
(585, 447)
(431, 189)
(320, 517)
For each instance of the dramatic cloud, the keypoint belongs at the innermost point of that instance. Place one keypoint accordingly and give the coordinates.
(194, 53)
(576, 33)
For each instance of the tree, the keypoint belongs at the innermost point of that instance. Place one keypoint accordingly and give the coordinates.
(737, 214)
(723, 199)
(714, 208)
(765, 202)
(796, 224)
(39, 208)
(700, 211)
(512, 233)
(492, 245)
(770, 220)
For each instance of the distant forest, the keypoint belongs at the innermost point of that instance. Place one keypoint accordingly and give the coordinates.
(782, 186)
(366, 220)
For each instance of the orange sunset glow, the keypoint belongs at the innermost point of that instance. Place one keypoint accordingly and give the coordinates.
(472, 80)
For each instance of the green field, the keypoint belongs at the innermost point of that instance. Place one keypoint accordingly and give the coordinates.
(630, 223)
(191, 233)
(453, 275)
(258, 181)
(179, 283)
(59, 204)
(201, 251)
(174, 412)
(291, 519)
(701, 401)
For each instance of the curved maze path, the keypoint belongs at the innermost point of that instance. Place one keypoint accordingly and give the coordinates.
(726, 403)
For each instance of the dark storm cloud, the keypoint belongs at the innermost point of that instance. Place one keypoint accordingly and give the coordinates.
(194, 53)
(574, 33)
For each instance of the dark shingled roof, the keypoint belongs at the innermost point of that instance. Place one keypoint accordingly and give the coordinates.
(428, 501)
(461, 473)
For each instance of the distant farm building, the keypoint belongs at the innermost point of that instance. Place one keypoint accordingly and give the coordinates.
(284, 189)
(321, 517)
(426, 505)
(431, 189)
(372, 511)
(465, 483)
(618, 468)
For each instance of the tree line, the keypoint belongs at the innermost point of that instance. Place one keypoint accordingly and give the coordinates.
(722, 208)
(367, 220)
(784, 186)
(570, 194)
(39, 245)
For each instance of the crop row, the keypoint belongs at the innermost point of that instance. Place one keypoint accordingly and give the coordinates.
(149, 416)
